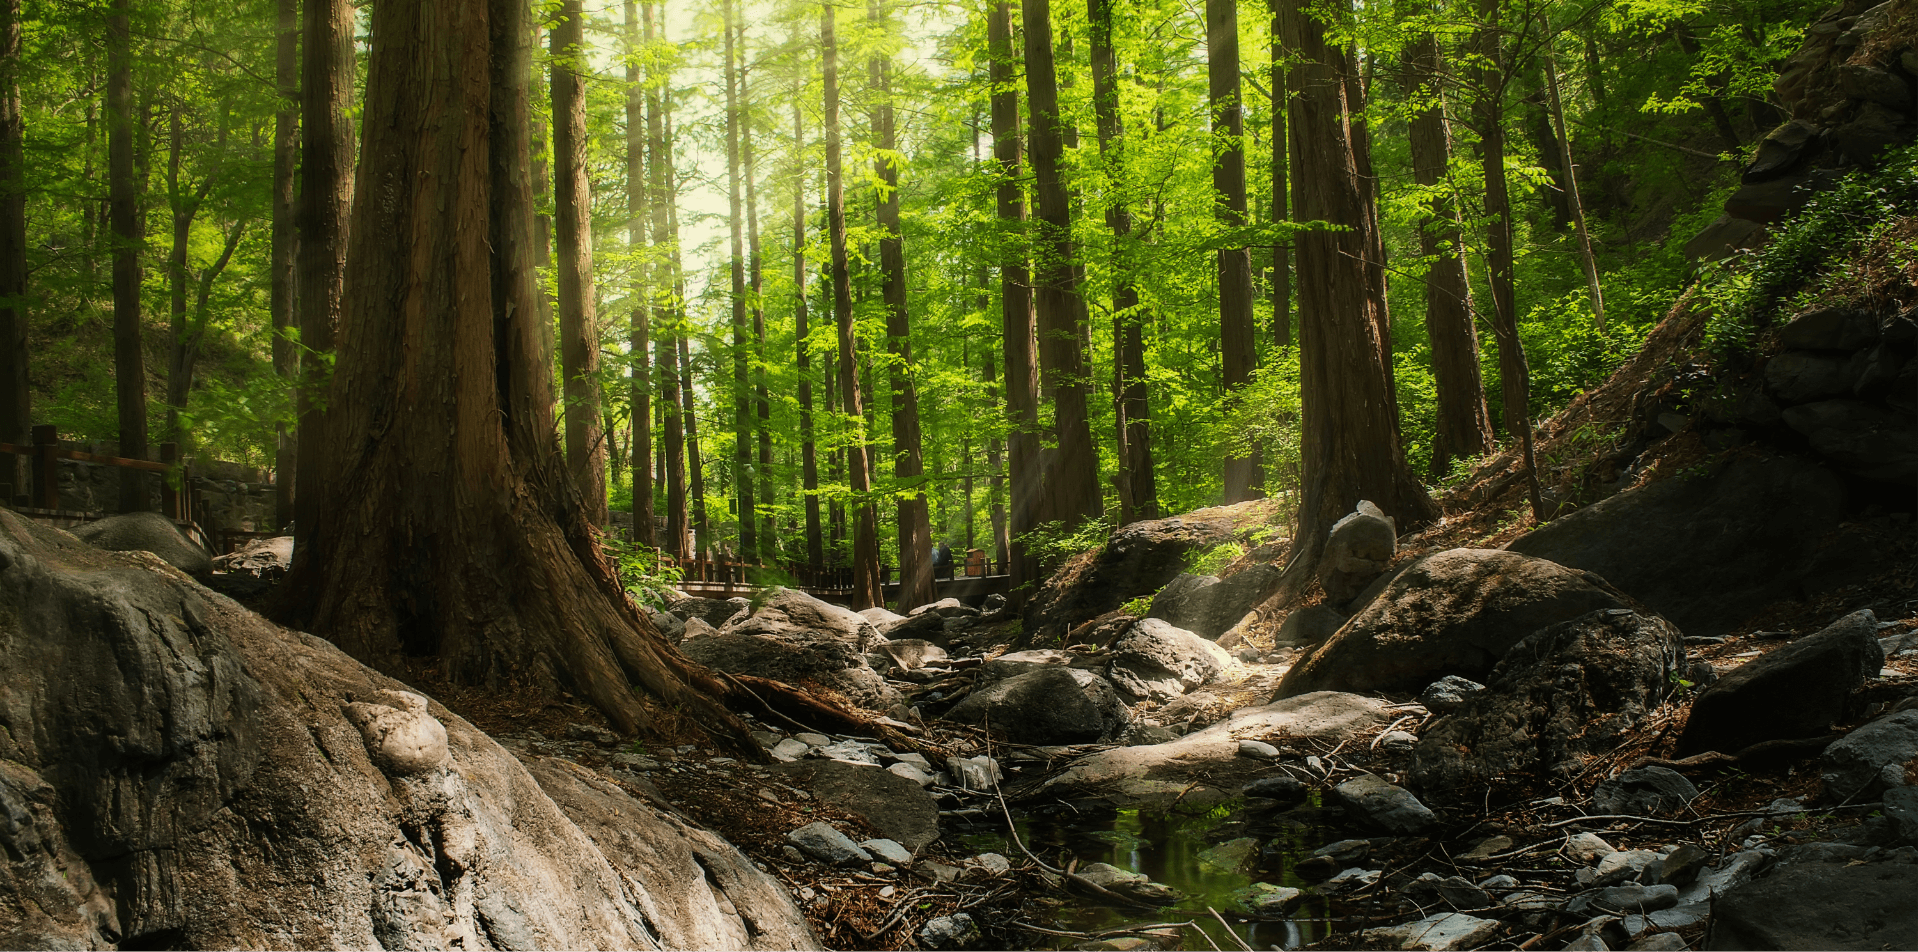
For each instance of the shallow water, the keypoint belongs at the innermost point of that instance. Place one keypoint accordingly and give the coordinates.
(1205, 854)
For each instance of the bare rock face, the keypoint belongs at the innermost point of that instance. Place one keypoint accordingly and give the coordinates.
(177, 772)
(150, 532)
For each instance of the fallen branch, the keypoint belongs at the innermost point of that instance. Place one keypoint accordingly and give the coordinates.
(1228, 928)
(1624, 818)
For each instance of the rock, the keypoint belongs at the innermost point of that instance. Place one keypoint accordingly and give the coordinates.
(825, 843)
(930, 627)
(789, 750)
(1486, 848)
(1901, 808)
(1570, 691)
(260, 558)
(1659, 942)
(1015, 663)
(1854, 767)
(1308, 626)
(800, 640)
(1352, 880)
(1798, 690)
(1461, 894)
(938, 872)
(947, 608)
(1780, 150)
(1231, 856)
(848, 751)
(1258, 749)
(1819, 906)
(1587, 848)
(893, 806)
(670, 626)
(1440, 933)
(1138, 559)
(1866, 137)
(1134, 886)
(1452, 612)
(1795, 377)
(1447, 695)
(1683, 864)
(993, 864)
(1157, 661)
(1139, 734)
(1632, 897)
(149, 532)
(1158, 774)
(911, 772)
(812, 740)
(975, 773)
(1284, 788)
(881, 618)
(1208, 606)
(694, 629)
(1398, 741)
(950, 932)
(1053, 705)
(715, 612)
(1589, 942)
(1724, 237)
(1266, 901)
(1705, 552)
(1830, 329)
(177, 770)
(911, 654)
(1646, 791)
(1624, 866)
(1389, 808)
(1357, 550)
(1863, 438)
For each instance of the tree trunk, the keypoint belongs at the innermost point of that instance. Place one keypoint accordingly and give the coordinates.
(1572, 202)
(1463, 427)
(1281, 181)
(326, 194)
(573, 213)
(1017, 320)
(1714, 105)
(286, 144)
(182, 337)
(129, 365)
(640, 324)
(1072, 491)
(866, 589)
(762, 397)
(16, 409)
(1351, 445)
(695, 467)
(451, 534)
(908, 464)
(1138, 498)
(802, 359)
(659, 173)
(741, 396)
(1538, 128)
(1238, 349)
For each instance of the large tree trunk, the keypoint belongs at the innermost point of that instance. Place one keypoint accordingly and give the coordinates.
(1463, 427)
(578, 317)
(908, 463)
(1281, 179)
(286, 144)
(1015, 309)
(742, 386)
(326, 193)
(1072, 489)
(640, 324)
(1138, 497)
(1351, 445)
(451, 537)
(16, 410)
(802, 359)
(1238, 349)
(755, 282)
(129, 364)
(866, 590)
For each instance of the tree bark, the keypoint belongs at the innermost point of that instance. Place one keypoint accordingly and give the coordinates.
(741, 397)
(866, 590)
(129, 365)
(640, 323)
(16, 408)
(1072, 491)
(1572, 202)
(1017, 320)
(1351, 445)
(1281, 180)
(281, 303)
(762, 397)
(802, 331)
(326, 195)
(452, 535)
(1238, 349)
(1463, 427)
(578, 310)
(664, 300)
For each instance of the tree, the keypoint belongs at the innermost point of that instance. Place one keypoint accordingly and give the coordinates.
(1572, 202)
(639, 323)
(664, 297)
(867, 592)
(286, 145)
(578, 317)
(16, 411)
(742, 388)
(1281, 180)
(1238, 349)
(449, 526)
(756, 284)
(326, 194)
(802, 332)
(187, 329)
(1351, 447)
(129, 365)
(1017, 320)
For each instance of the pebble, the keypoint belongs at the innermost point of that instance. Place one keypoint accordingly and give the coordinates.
(1616, 868)
(1258, 750)
(1500, 881)
(889, 850)
(820, 839)
(949, 932)
(789, 750)
(813, 740)
(993, 863)
(1587, 847)
(885, 892)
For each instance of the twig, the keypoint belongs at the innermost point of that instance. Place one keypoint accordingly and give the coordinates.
(1207, 937)
(1389, 729)
(1011, 827)
(898, 910)
(1228, 928)
(1061, 933)
(1619, 817)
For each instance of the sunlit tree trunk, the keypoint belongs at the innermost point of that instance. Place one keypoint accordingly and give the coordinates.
(741, 396)
(659, 167)
(1238, 347)
(1572, 201)
(762, 397)
(639, 323)
(1017, 320)
(802, 329)
(578, 310)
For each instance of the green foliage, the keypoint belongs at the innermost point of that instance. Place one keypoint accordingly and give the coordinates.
(641, 572)
(1053, 542)
(1138, 607)
(1213, 559)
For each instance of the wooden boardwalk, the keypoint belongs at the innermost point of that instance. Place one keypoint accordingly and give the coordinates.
(719, 578)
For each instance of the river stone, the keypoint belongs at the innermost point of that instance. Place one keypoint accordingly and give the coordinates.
(1462, 893)
(1452, 612)
(823, 842)
(1821, 906)
(1798, 690)
(1624, 866)
(798, 639)
(1389, 808)
(1633, 897)
(1830, 328)
(911, 654)
(911, 772)
(1868, 439)
(1448, 693)
(1587, 847)
(950, 932)
(1309, 625)
(1440, 933)
(1231, 855)
(150, 532)
(789, 750)
(1258, 749)
(670, 626)
(979, 773)
(1707, 551)
(1646, 791)
(1357, 550)
(179, 772)
(1267, 901)
(1284, 788)
(1134, 886)
(715, 612)
(1853, 765)
(1154, 660)
(1052, 704)
(896, 808)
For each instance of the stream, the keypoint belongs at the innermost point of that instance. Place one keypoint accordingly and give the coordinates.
(1204, 853)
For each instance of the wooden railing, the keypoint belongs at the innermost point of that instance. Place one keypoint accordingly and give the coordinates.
(727, 574)
(44, 457)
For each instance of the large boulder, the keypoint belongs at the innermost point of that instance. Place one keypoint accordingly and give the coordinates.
(713, 611)
(1799, 690)
(1564, 694)
(1209, 606)
(1138, 559)
(1871, 440)
(1452, 612)
(150, 532)
(1156, 660)
(800, 640)
(178, 772)
(1357, 550)
(1704, 551)
(1052, 704)
(1857, 765)
(896, 807)
(1820, 906)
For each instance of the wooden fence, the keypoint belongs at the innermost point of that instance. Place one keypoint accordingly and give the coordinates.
(42, 495)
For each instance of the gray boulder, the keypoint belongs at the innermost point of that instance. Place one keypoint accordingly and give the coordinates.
(150, 532)
(1570, 691)
(1015, 663)
(713, 611)
(1855, 766)
(800, 640)
(1155, 660)
(1134, 886)
(1386, 807)
(1452, 612)
(950, 932)
(895, 807)
(1646, 791)
(1868, 439)
(881, 618)
(1795, 377)
(1820, 906)
(910, 654)
(1052, 705)
(1359, 547)
(669, 625)
(1448, 694)
(1309, 625)
(1208, 606)
(823, 842)
(947, 608)
(1707, 551)
(180, 771)
(1830, 328)
(1798, 690)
